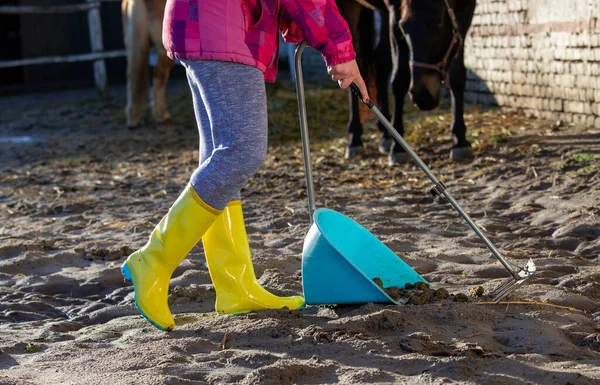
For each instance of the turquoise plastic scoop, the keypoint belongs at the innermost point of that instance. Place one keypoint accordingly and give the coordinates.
(341, 258)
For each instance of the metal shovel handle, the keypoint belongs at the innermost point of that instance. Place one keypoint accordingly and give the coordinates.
(304, 129)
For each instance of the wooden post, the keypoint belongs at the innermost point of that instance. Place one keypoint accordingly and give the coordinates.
(97, 45)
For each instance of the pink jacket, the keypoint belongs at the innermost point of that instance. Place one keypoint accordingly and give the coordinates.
(246, 31)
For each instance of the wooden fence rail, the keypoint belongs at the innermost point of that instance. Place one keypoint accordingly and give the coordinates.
(20, 9)
(92, 7)
(92, 56)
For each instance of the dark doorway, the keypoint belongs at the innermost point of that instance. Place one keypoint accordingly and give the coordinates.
(10, 32)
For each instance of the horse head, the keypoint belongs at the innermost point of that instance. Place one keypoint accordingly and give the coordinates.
(432, 34)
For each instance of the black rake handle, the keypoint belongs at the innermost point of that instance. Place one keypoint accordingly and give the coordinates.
(357, 92)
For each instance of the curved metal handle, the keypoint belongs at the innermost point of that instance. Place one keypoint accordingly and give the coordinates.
(304, 129)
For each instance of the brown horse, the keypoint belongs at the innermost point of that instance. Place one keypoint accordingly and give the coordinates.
(421, 47)
(142, 24)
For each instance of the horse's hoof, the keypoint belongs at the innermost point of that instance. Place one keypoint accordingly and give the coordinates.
(162, 117)
(133, 116)
(385, 145)
(397, 158)
(131, 125)
(352, 151)
(462, 153)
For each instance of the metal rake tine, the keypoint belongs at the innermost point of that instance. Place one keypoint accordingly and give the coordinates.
(508, 291)
(512, 283)
(504, 284)
(505, 288)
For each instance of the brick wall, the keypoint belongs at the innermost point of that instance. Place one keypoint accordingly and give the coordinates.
(538, 56)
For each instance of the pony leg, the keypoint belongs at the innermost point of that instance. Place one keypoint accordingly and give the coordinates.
(163, 66)
(458, 78)
(137, 46)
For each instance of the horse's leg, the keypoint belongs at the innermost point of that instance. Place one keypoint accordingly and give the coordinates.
(135, 18)
(383, 69)
(400, 85)
(351, 11)
(458, 78)
(164, 64)
(355, 129)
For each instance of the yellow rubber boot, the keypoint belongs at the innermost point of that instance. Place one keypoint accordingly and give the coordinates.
(150, 268)
(231, 270)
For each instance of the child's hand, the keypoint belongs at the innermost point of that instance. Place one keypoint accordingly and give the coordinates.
(345, 74)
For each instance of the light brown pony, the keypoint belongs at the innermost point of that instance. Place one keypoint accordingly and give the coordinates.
(142, 24)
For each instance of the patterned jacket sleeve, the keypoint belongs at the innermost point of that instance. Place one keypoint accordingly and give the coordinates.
(319, 23)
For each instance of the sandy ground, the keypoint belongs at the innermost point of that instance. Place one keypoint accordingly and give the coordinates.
(78, 192)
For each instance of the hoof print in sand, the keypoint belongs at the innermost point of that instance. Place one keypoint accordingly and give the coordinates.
(104, 253)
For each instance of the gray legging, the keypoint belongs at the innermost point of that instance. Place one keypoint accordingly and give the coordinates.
(230, 103)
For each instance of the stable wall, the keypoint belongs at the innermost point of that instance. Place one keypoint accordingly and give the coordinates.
(541, 57)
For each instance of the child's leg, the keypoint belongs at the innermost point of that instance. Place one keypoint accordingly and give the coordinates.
(149, 269)
(206, 146)
(230, 105)
(230, 266)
